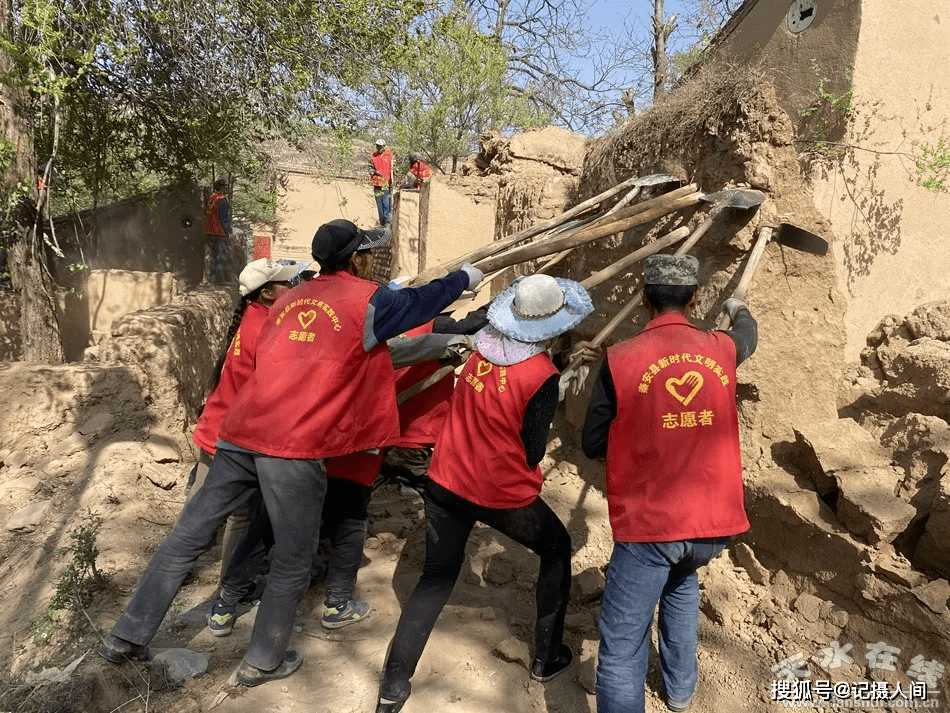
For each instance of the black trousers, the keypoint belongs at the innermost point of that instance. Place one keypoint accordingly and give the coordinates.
(449, 521)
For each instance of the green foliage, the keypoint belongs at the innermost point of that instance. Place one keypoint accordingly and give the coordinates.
(78, 581)
(827, 113)
(933, 164)
(448, 86)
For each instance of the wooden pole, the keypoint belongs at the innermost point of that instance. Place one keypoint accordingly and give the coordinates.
(499, 245)
(628, 261)
(424, 192)
(765, 234)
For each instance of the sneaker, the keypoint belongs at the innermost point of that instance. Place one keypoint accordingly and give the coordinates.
(116, 650)
(386, 706)
(678, 706)
(352, 612)
(252, 676)
(221, 619)
(546, 671)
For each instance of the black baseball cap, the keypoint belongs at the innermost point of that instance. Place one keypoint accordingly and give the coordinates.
(336, 241)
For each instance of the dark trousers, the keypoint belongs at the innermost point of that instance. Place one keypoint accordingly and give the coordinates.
(293, 493)
(449, 521)
(344, 520)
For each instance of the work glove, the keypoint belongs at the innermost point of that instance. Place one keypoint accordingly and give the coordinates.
(474, 274)
(732, 306)
(573, 380)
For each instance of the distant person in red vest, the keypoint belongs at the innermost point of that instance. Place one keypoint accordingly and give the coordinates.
(663, 412)
(381, 174)
(323, 386)
(485, 469)
(218, 230)
(418, 172)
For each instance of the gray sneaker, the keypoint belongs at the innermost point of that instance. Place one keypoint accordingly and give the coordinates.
(350, 613)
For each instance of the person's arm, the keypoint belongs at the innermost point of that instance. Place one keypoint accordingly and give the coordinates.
(469, 324)
(601, 411)
(392, 312)
(538, 416)
(224, 214)
(406, 351)
(745, 334)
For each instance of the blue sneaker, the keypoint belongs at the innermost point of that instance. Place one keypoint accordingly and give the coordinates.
(350, 613)
(221, 619)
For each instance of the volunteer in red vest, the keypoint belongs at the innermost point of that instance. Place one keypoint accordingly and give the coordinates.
(485, 469)
(663, 412)
(261, 282)
(218, 230)
(323, 386)
(422, 416)
(381, 174)
(418, 171)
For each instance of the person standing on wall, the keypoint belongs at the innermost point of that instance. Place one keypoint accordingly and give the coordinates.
(485, 469)
(323, 386)
(382, 177)
(218, 230)
(418, 171)
(663, 412)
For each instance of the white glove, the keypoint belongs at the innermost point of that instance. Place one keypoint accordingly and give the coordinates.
(732, 306)
(474, 274)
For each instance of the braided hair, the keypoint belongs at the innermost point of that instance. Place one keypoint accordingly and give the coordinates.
(239, 309)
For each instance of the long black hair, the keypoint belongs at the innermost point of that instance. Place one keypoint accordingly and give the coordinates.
(239, 309)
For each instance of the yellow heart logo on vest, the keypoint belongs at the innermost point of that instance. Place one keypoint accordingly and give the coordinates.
(483, 367)
(306, 318)
(691, 382)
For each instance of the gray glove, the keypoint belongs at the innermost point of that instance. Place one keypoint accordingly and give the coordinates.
(732, 306)
(474, 274)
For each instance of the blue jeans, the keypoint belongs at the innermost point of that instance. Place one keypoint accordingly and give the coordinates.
(640, 575)
(219, 257)
(383, 206)
(293, 493)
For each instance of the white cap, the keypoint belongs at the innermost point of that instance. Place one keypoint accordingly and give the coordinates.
(258, 273)
(380, 142)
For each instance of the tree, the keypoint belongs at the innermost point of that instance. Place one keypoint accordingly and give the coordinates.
(128, 93)
(449, 87)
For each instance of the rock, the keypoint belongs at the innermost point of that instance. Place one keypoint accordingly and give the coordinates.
(587, 586)
(179, 664)
(96, 424)
(828, 447)
(934, 594)
(488, 614)
(747, 560)
(163, 478)
(28, 485)
(16, 459)
(372, 543)
(552, 145)
(868, 506)
(782, 587)
(930, 320)
(899, 572)
(26, 519)
(587, 674)
(919, 378)
(932, 551)
(514, 650)
(68, 446)
(498, 570)
(162, 448)
(4, 454)
(580, 622)
(809, 607)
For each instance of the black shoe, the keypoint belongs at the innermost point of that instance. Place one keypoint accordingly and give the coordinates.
(253, 676)
(384, 706)
(555, 667)
(116, 650)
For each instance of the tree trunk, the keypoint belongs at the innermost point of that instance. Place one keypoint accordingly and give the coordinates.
(39, 327)
(659, 51)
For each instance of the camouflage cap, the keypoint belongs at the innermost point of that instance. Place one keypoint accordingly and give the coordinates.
(671, 270)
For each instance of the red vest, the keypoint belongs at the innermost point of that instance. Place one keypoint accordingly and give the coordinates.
(422, 417)
(383, 163)
(674, 471)
(479, 455)
(359, 467)
(421, 171)
(315, 393)
(212, 215)
(238, 368)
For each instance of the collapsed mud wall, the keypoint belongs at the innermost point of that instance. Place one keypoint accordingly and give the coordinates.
(723, 132)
